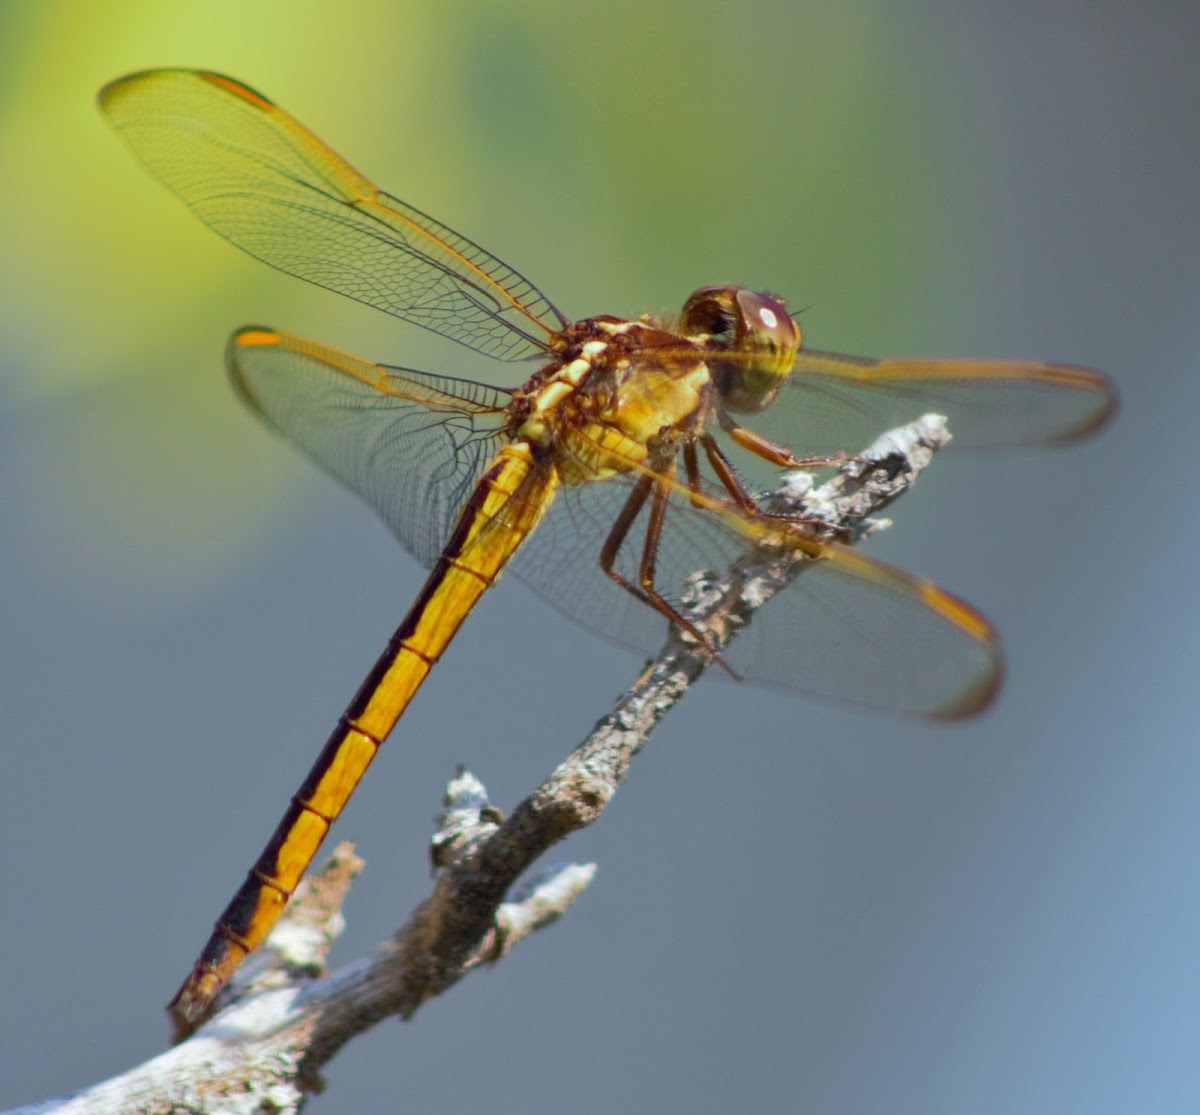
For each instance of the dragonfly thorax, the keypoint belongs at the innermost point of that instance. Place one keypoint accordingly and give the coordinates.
(620, 395)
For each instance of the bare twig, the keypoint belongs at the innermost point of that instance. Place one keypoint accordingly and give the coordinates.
(268, 1047)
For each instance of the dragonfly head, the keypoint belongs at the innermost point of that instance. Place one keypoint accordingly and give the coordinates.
(752, 341)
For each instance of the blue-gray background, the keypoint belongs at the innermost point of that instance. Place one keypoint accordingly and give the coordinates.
(798, 907)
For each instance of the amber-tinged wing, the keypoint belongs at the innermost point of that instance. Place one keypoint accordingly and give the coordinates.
(413, 446)
(410, 443)
(268, 185)
(847, 628)
(834, 403)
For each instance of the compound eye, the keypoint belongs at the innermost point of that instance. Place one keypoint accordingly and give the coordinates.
(765, 323)
(750, 341)
(713, 312)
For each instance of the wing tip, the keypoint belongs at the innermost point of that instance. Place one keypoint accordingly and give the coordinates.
(978, 695)
(248, 336)
(112, 91)
(980, 690)
(1080, 377)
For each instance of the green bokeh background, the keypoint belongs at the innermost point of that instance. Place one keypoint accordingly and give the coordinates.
(798, 907)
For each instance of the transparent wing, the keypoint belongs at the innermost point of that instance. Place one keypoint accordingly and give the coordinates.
(847, 628)
(268, 185)
(411, 444)
(414, 446)
(833, 402)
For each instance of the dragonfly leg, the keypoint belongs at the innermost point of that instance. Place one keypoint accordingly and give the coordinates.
(771, 450)
(692, 466)
(658, 512)
(744, 500)
(620, 529)
(729, 478)
(661, 486)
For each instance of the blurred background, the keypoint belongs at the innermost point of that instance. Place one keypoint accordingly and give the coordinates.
(798, 907)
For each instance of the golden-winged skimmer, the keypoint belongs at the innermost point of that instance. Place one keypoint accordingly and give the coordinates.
(626, 448)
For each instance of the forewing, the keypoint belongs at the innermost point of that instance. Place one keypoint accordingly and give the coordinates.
(411, 444)
(267, 184)
(836, 403)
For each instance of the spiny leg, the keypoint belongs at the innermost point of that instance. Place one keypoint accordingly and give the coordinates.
(691, 465)
(658, 512)
(661, 484)
(744, 500)
(724, 470)
(772, 451)
(620, 529)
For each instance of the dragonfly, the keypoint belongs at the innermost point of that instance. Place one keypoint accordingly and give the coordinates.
(627, 456)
